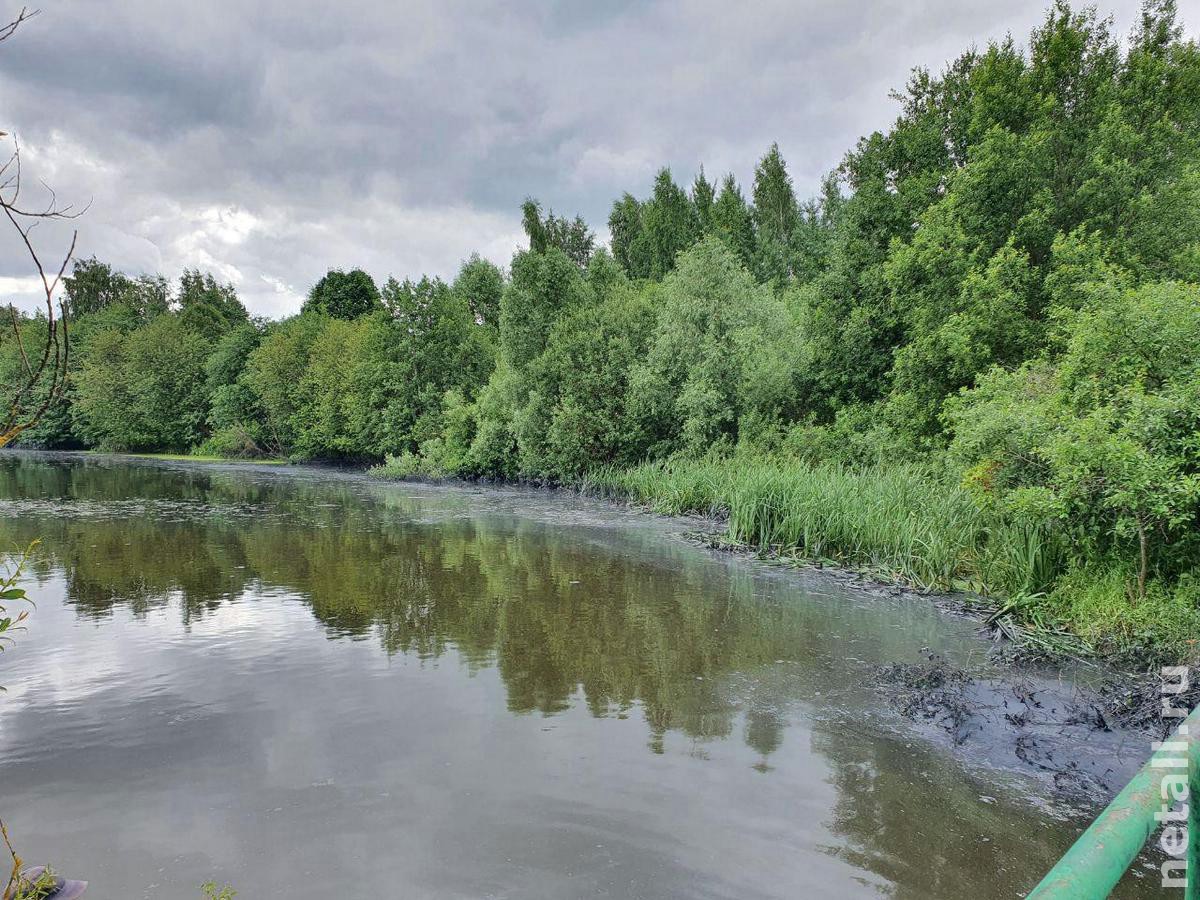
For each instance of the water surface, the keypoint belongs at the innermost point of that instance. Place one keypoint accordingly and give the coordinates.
(314, 685)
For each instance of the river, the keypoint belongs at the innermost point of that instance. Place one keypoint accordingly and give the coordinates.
(311, 684)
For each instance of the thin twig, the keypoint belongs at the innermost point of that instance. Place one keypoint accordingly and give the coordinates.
(14, 874)
(50, 372)
(23, 16)
(16, 323)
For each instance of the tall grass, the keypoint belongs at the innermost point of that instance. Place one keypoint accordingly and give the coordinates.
(671, 486)
(902, 522)
(896, 521)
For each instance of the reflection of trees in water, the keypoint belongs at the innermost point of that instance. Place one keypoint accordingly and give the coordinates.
(555, 615)
(655, 630)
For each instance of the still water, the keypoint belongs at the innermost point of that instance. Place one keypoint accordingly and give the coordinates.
(313, 685)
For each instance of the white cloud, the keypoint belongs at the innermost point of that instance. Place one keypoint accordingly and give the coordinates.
(271, 141)
(22, 292)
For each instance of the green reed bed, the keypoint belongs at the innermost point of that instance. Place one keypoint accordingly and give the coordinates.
(910, 525)
(900, 522)
(897, 521)
(673, 486)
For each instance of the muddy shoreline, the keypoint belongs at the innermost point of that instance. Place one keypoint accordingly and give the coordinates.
(1075, 721)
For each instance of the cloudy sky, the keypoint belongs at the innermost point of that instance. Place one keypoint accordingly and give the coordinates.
(270, 141)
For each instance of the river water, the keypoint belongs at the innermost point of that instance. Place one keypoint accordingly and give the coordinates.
(314, 685)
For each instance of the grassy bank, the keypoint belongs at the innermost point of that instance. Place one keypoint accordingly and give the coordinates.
(908, 525)
(200, 457)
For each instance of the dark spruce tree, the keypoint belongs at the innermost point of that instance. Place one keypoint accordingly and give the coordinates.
(703, 196)
(775, 216)
(732, 222)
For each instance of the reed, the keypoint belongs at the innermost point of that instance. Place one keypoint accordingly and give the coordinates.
(902, 522)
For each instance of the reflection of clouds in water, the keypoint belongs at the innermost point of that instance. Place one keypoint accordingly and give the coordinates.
(71, 665)
(561, 594)
(504, 690)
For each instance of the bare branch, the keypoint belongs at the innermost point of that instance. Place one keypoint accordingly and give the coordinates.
(49, 374)
(12, 185)
(6, 31)
(16, 324)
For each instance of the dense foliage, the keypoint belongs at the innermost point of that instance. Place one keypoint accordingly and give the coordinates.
(997, 298)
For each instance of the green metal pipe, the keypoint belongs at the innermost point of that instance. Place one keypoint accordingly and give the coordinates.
(1193, 871)
(1099, 858)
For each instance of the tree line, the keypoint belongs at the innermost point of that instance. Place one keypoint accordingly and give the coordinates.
(1003, 287)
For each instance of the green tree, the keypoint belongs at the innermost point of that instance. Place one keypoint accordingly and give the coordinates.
(722, 352)
(235, 416)
(572, 237)
(629, 246)
(669, 224)
(604, 275)
(703, 197)
(732, 221)
(812, 240)
(581, 381)
(343, 295)
(775, 215)
(327, 421)
(144, 390)
(480, 284)
(207, 307)
(429, 344)
(274, 372)
(1106, 432)
(493, 450)
(94, 286)
(544, 285)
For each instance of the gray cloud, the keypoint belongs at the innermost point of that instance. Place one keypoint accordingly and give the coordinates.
(268, 141)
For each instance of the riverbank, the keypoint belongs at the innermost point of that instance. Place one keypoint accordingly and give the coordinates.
(196, 457)
(904, 526)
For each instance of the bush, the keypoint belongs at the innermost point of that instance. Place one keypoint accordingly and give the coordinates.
(402, 465)
(231, 442)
